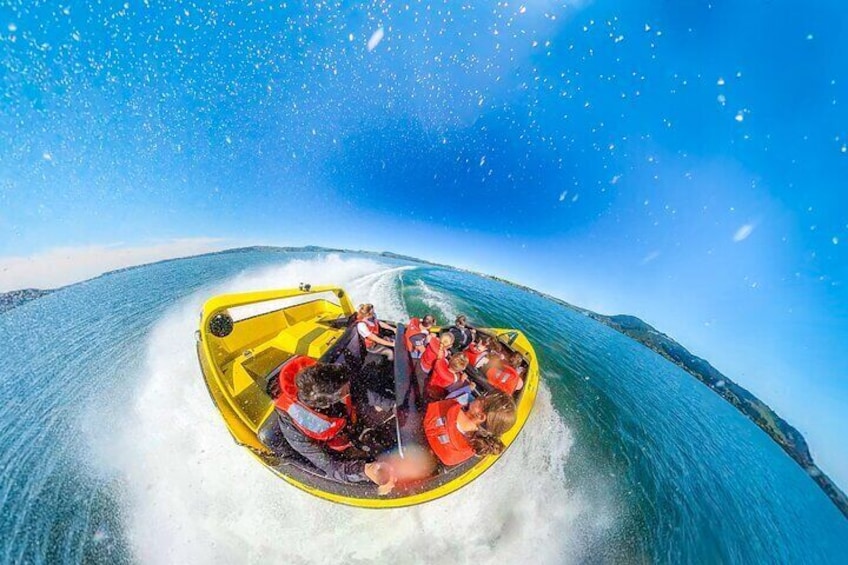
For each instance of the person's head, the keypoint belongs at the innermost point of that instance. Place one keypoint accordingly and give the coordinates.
(365, 311)
(494, 413)
(461, 320)
(493, 362)
(483, 342)
(321, 385)
(446, 339)
(458, 362)
(428, 321)
(516, 359)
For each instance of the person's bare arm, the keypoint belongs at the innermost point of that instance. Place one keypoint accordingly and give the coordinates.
(381, 340)
(382, 475)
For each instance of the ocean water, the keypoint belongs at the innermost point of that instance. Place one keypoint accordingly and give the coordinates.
(111, 450)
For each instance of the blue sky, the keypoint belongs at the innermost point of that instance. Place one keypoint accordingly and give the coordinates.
(682, 161)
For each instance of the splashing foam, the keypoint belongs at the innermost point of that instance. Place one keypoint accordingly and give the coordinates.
(193, 496)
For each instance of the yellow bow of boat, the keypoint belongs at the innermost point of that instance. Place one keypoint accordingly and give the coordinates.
(245, 338)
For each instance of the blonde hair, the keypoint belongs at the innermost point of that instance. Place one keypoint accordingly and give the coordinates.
(500, 413)
(500, 417)
(459, 362)
(365, 310)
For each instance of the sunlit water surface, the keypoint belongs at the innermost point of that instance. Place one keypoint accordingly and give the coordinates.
(111, 450)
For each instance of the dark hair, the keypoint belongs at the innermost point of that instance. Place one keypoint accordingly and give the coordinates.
(483, 443)
(318, 386)
(365, 310)
(516, 359)
(483, 340)
(496, 346)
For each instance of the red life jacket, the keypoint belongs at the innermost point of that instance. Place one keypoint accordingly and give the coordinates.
(313, 424)
(373, 327)
(505, 378)
(431, 354)
(412, 328)
(440, 379)
(473, 353)
(447, 442)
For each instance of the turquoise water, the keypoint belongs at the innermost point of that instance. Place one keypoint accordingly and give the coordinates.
(111, 451)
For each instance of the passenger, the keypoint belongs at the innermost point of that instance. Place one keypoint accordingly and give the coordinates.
(494, 350)
(478, 351)
(446, 376)
(314, 414)
(437, 348)
(456, 433)
(516, 360)
(417, 335)
(503, 376)
(368, 327)
(462, 333)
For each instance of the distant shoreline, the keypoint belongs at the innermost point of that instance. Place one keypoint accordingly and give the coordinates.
(786, 436)
(15, 298)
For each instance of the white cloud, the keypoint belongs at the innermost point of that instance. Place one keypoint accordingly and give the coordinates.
(743, 232)
(65, 265)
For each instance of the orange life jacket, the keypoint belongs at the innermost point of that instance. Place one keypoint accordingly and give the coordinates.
(313, 424)
(504, 378)
(373, 327)
(431, 353)
(412, 328)
(440, 379)
(473, 353)
(447, 442)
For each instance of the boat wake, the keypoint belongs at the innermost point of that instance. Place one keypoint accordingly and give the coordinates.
(437, 301)
(191, 495)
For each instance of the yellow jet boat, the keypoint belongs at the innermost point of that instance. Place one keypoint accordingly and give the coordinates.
(243, 341)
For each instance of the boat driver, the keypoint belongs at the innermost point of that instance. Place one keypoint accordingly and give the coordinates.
(368, 327)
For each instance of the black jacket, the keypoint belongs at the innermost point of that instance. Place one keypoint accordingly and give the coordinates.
(321, 456)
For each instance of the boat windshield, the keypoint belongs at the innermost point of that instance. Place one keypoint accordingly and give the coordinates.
(260, 308)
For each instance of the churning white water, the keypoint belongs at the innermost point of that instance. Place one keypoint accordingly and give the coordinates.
(437, 301)
(193, 496)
